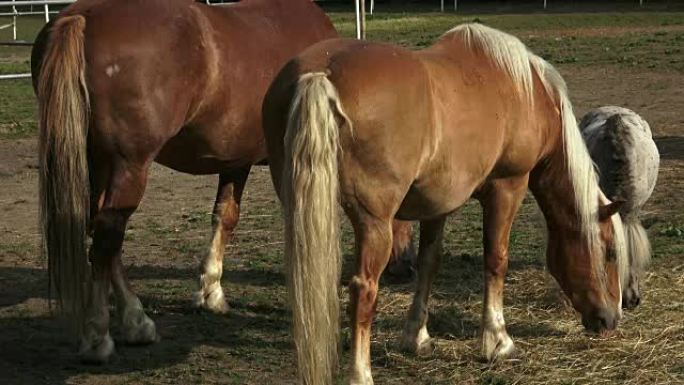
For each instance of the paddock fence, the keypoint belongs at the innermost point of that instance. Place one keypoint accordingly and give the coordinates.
(17, 8)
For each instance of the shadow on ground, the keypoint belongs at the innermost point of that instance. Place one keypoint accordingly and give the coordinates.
(670, 147)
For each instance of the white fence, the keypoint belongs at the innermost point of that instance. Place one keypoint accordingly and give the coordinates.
(14, 14)
(44, 10)
(442, 5)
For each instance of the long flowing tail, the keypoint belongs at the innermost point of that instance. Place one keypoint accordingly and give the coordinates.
(310, 193)
(64, 180)
(638, 246)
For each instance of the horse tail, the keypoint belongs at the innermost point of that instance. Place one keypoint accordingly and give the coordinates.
(638, 245)
(64, 172)
(310, 193)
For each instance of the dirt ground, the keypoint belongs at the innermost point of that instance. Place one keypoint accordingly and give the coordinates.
(169, 234)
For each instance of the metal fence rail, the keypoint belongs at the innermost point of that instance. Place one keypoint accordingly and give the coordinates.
(4, 4)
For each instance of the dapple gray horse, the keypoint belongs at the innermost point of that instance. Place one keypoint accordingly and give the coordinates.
(621, 145)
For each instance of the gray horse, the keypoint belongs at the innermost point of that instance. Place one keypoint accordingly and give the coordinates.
(621, 145)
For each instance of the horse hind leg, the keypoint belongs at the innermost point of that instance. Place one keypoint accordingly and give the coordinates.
(136, 327)
(416, 338)
(225, 217)
(373, 247)
(500, 201)
(639, 250)
(120, 199)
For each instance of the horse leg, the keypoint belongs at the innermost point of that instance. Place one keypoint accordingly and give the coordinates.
(136, 327)
(416, 337)
(373, 246)
(121, 198)
(500, 201)
(224, 219)
(639, 250)
(402, 263)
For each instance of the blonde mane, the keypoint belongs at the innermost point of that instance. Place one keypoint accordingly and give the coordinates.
(511, 55)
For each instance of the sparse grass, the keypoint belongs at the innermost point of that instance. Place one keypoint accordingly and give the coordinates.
(170, 233)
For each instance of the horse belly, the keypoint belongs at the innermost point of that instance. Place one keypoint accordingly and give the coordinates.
(211, 151)
(436, 196)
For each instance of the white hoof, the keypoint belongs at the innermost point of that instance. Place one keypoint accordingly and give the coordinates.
(215, 301)
(496, 345)
(96, 350)
(138, 328)
(361, 377)
(419, 343)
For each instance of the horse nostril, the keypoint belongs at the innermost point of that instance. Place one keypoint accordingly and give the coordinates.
(602, 320)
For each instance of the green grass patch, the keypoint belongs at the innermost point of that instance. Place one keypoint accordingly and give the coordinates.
(557, 37)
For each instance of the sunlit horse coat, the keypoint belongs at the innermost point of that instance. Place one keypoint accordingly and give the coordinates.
(388, 132)
(622, 146)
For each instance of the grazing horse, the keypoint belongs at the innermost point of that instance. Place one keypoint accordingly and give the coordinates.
(622, 146)
(388, 132)
(121, 84)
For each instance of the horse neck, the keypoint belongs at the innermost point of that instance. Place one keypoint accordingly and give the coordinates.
(552, 187)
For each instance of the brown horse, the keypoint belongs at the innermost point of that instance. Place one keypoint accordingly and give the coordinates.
(123, 84)
(391, 132)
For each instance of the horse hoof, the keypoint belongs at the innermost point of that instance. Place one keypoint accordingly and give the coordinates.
(361, 377)
(140, 331)
(503, 349)
(214, 302)
(97, 352)
(422, 345)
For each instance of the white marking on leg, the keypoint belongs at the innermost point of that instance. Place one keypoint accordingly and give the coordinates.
(416, 337)
(137, 327)
(96, 344)
(360, 365)
(495, 340)
(210, 296)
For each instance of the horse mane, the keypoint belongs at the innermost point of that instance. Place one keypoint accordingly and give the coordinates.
(512, 56)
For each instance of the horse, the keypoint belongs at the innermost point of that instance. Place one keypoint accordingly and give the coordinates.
(123, 84)
(622, 147)
(388, 132)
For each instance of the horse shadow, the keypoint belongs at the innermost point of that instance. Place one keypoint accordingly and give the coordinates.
(38, 349)
(670, 147)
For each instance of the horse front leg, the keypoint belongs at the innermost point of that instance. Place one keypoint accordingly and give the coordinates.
(225, 217)
(500, 201)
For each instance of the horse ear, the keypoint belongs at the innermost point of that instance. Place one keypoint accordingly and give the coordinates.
(607, 211)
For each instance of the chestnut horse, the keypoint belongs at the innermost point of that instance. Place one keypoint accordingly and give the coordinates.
(122, 84)
(390, 132)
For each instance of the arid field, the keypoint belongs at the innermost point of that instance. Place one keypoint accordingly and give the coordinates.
(630, 59)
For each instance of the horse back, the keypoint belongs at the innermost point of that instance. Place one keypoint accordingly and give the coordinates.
(621, 144)
(183, 82)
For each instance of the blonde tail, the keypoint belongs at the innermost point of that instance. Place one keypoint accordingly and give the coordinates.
(64, 180)
(638, 246)
(310, 192)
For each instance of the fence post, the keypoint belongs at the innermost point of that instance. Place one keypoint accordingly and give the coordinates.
(442, 5)
(372, 6)
(544, 4)
(14, 22)
(455, 5)
(47, 13)
(357, 3)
